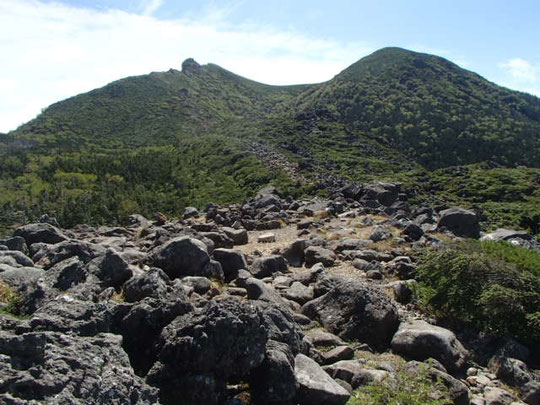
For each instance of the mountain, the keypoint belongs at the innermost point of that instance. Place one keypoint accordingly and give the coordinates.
(166, 140)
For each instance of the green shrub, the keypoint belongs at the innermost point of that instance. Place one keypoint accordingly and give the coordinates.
(404, 389)
(493, 287)
(10, 301)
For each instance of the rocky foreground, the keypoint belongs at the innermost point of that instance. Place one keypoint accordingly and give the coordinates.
(273, 302)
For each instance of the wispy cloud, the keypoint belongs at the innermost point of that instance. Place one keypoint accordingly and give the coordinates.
(521, 69)
(521, 74)
(151, 6)
(51, 51)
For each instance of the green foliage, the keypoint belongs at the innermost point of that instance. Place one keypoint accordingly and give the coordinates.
(508, 197)
(10, 301)
(492, 286)
(405, 389)
(165, 140)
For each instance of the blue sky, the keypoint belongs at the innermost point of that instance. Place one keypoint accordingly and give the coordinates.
(52, 50)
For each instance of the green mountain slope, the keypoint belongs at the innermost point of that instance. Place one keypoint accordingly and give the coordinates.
(161, 141)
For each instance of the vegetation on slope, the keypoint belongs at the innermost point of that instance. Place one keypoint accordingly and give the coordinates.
(164, 140)
(490, 286)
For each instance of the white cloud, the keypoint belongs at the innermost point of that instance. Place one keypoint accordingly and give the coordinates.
(52, 51)
(521, 69)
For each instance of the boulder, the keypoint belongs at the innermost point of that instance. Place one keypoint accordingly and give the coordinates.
(220, 239)
(49, 255)
(294, 253)
(383, 192)
(355, 373)
(418, 340)
(298, 292)
(505, 234)
(380, 233)
(182, 256)
(413, 231)
(110, 269)
(190, 212)
(203, 349)
(315, 386)
(231, 261)
(460, 222)
(52, 367)
(238, 236)
(16, 243)
(141, 323)
(15, 258)
(317, 254)
(274, 381)
(40, 232)
(355, 311)
(266, 238)
(266, 266)
(151, 283)
(66, 274)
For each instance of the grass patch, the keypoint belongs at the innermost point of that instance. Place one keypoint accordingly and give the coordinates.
(404, 389)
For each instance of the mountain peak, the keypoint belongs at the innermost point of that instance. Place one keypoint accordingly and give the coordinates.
(190, 66)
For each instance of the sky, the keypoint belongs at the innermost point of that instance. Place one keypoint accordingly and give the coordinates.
(52, 50)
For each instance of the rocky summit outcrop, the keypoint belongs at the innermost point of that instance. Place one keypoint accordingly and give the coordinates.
(203, 310)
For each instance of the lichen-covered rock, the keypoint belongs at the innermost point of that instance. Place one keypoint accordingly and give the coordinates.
(183, 256)
(355, 311)
(40, 232)
(460, 222)
(315, 386)
(53, 367)
(418, 340)
(202, 349)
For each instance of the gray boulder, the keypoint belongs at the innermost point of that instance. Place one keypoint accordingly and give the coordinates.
(52, 367)
(15, 258)
(315, 386)
(231, 261)
(418, 340)
(460, 222)
(40, 232)
(355, 311)
(317, 254)
(152, 283)
(266, 266)
(110, 269)
(274, 381)
(203, 349)
(183, 256)
(238, 236)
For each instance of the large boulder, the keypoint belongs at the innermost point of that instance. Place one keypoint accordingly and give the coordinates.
(238, 236)
(110, 269)
(294, 253)
(201, 350)
(49, 255)
(183, 256)
(40, 232)
(274, 381)
(266, 266)
(315, 386)
(14, 258)
(56, 368)
(152, 283)
(418, 340)
(460, 222)
(383, 192)
(231, 261)
(355, 311)
(317, 254)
